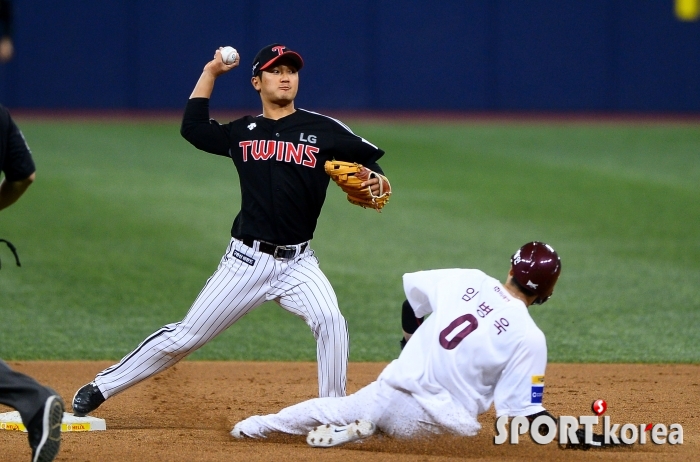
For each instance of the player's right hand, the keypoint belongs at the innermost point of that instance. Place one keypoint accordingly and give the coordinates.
(217, 66)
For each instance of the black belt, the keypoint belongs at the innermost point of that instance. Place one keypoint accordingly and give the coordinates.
(277, 251)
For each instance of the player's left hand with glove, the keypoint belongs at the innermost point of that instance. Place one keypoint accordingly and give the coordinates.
(363, 186)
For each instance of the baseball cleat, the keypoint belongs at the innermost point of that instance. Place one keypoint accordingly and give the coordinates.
(87, 399)
(328, 435)
(44, 431)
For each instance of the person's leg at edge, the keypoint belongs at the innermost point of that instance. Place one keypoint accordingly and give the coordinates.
(40, 408)
(21, 392)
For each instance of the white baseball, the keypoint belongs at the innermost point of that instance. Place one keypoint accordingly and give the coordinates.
(228, 55)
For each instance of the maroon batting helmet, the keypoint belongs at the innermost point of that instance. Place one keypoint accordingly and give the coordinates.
(536, 267)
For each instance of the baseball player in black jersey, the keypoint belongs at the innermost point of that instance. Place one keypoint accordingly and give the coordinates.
(279, 156)
(40, 408)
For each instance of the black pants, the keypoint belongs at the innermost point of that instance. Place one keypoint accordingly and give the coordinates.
(22, 392)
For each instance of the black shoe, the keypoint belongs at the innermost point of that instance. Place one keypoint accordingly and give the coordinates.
(44, 430)
(87, 399)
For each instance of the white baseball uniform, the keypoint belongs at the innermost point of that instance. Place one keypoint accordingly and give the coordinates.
(478, 346)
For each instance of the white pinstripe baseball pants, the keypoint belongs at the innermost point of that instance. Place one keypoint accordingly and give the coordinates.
(244, 280)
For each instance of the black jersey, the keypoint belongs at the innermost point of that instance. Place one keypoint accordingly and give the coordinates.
(15, 158)
(280, 164)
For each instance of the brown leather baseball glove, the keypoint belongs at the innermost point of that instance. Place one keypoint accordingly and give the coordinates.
(349, 176)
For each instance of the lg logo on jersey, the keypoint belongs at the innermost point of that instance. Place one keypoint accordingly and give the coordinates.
(309, 139)
(567, 426)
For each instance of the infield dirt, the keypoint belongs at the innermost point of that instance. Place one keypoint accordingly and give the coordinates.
(185, 414)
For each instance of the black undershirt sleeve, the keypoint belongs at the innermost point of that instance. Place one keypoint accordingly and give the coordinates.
(349, 147)
(203, 133)
(409, 321)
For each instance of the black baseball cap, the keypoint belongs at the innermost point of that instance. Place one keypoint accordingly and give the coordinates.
(271, 53)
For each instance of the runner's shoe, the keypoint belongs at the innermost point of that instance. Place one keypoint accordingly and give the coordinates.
(329, 435)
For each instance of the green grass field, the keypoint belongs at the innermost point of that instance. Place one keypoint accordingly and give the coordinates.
(126, 221)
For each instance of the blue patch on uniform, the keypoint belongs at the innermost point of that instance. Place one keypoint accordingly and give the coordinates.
(243, 258)
(536, 395)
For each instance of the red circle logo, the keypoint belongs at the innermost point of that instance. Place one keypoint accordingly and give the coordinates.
(599, 407)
